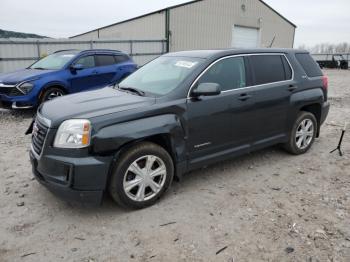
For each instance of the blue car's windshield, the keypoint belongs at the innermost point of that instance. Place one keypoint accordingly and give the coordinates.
(55, 61)
(162, 75)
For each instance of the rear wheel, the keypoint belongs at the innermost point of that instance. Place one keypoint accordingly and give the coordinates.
(52, 93)
(303, 134)
(142, 175)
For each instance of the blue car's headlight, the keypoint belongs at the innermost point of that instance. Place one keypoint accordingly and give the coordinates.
(26, 87)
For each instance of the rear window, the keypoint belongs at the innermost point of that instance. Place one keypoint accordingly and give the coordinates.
(105, 60)
(121, 58)
(309, 65)
(270, 69)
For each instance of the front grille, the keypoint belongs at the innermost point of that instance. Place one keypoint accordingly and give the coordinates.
(38, 136)
(15, 92)
(10, 91)
(6, 90)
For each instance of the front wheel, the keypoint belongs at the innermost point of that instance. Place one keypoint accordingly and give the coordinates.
(303, 134)
(141, 176)
(52, 93)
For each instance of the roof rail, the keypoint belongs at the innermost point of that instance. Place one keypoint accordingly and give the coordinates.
(64, 50)
(109, 50)
(87, 50)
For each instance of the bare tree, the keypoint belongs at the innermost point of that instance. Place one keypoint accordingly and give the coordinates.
(328, 48)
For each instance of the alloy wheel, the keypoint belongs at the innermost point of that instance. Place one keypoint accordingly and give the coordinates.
(54, 94)
(144, 178)
(304, 134)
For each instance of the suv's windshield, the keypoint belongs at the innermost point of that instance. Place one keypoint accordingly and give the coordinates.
(162, 75)
(55, 61)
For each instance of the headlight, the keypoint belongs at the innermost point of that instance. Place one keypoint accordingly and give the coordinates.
(74, 133)
(26, 87)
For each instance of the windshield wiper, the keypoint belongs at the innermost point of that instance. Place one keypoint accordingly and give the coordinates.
(131, 89)
(39, 68)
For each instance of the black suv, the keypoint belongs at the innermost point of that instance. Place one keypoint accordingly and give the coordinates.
(179, 112)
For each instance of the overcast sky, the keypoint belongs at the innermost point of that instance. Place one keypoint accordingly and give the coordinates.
(317, 21)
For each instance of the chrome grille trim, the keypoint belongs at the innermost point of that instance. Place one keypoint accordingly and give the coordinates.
(39, 136)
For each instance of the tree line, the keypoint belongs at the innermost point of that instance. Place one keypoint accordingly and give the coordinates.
(326, 48)
(12, 34)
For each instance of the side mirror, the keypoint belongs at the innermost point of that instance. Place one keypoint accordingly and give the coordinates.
(77, 67)
(206, 89)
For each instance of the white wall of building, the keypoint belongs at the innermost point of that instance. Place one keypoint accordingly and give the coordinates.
(151, 27)
(209, 24)
(206, 24)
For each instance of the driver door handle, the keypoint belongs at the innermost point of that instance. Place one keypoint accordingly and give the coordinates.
(244, 97)
(292, 87)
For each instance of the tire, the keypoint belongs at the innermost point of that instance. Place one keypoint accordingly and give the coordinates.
(51, 93)
(130, 177)
(303, 134)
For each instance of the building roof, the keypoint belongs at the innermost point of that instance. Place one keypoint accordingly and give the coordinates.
(172, 7)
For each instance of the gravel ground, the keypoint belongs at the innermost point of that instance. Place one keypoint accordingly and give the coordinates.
(266, 206)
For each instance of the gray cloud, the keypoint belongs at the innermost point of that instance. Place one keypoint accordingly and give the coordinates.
(321, 21)
(317, 21)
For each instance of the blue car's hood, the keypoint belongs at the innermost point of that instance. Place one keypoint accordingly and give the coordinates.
(22, 75)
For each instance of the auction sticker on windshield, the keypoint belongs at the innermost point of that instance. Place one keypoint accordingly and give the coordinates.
(186, 64)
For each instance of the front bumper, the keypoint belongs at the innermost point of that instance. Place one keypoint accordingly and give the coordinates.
(18, 102)
(81, 180)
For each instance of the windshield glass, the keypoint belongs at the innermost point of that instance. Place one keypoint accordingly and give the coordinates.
(162, 75)
(54, 61)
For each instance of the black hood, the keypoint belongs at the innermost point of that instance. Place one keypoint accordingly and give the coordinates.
(86, 105)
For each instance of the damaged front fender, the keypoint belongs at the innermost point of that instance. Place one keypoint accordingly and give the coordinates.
(112, 138)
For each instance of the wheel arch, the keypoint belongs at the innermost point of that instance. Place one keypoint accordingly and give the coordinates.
(52, 85)
(164, 130)
(309, 100)
(164, 141)
(316, 110)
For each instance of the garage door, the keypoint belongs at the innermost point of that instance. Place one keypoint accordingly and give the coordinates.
(245, 37)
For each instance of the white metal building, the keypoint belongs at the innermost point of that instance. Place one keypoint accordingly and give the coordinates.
(205, 24)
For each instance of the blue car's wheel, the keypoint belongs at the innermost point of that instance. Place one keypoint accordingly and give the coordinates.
(52, 93)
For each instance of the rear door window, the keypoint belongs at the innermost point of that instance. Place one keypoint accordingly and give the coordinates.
(121, 58)
(270, 69)
(309, 65)
(229, 73)
(105, 60)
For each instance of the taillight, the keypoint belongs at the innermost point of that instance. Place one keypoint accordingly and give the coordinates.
(325, 82)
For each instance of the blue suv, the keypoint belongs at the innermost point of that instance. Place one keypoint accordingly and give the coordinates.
(63, 72)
